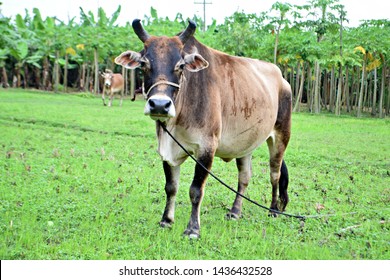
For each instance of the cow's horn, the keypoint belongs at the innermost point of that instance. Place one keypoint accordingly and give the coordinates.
(139, 30)
(190, 30)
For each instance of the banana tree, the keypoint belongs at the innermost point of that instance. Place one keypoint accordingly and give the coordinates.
(29, 47)
(97, 35)
(6, 39)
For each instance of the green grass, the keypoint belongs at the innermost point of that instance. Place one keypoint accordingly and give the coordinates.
(83, 181)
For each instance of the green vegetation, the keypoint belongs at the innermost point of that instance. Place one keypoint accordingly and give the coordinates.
(83, 181)
(331, 67)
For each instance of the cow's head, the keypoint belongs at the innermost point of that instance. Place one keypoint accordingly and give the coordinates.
(107, 76)
(162, 61)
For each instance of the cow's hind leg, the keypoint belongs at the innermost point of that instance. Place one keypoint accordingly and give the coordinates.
(279, 176)
(277, 144)
(244, 166)
(172, 175)
(283, 185)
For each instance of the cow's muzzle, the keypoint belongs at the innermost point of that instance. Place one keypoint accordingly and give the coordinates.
(160, 107)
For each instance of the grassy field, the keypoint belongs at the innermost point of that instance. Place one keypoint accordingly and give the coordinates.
(83, 181)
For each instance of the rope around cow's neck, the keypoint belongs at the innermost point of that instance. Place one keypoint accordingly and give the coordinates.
(226, 185)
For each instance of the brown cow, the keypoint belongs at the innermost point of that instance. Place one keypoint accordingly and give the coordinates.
(113, 83)
(215, 105)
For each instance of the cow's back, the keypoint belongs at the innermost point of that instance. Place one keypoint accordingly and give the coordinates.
(237, 98)
(117, 82)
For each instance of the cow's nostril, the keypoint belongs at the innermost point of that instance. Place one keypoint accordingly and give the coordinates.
(167, 105)
(152, 104)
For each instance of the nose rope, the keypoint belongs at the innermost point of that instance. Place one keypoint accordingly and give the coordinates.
(156, 84)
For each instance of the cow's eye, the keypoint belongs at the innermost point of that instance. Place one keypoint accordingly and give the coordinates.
(180, 65)
(144, 63)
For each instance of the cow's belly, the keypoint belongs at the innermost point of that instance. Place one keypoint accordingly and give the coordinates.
(240, 139)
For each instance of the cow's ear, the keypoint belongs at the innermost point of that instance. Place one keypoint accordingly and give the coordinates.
(195, 62)
(129, 59)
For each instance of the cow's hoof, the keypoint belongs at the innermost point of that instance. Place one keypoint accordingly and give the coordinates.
(232, 216)
(192, 234)
(164, 224)
(272, 214)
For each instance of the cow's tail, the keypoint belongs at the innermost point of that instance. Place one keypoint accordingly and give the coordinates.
(283, 184)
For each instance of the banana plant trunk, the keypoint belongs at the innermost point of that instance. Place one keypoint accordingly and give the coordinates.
(96, 62)
(361, 93)
(4, 77)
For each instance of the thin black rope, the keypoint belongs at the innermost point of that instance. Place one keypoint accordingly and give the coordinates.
(226, 185)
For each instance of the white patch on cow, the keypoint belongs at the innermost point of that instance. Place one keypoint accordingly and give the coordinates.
(169, 150)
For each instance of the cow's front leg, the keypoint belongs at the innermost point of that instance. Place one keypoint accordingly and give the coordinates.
(196, 194)
(111, 98)
(103, 97)
(172, 175)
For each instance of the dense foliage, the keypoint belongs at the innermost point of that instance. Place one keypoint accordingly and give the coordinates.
(329, 66)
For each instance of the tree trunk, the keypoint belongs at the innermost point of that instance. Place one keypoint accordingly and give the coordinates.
(82, 78)
(297, 84)
(366, 100)
(347, 91)
(124, 75)
(4, 77)
(374, 93)
(324, 90)
(381, 115)
(317, 88)
(340, 82)
(66, 72)
(132, 84)
(37, 78)
(277, 41)
(88, 79)
(360, 104)
(56, 72)
(332, 91)
(300, 91)
(339, 92)
(356, 88)
(45, 74)
(291, 80)
(388, 99)
(96, 63)
(17, 83)
(310, 89)
(25, 76)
